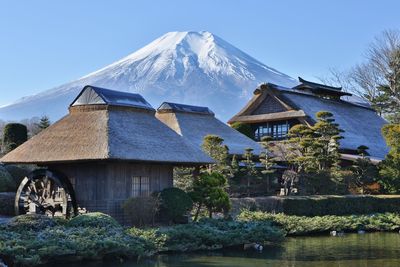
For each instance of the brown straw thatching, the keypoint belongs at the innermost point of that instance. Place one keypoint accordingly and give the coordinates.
(107, 132)
(194, 123)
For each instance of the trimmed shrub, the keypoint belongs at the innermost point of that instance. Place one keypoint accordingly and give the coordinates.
(244, 129)
(93, 219)
(14, 134)
(321, 205)
(7, 183)
(29, 222)
(7, 203)
(18, 172)
(209, 234)
(53, 245)
(141, 211)
(175, 203)
(302, 225)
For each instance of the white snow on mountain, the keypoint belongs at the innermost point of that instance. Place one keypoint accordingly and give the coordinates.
(197, 68)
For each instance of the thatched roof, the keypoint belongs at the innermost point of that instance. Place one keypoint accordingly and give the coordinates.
(108, 131)
(194, 123)
(361, 124)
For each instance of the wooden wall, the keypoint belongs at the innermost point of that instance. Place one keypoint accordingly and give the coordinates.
(104, 186)
(269, 105)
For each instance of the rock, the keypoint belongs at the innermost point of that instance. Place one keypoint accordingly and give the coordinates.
(361, 232)
(254, 246)
(2, 264)
(337, 233)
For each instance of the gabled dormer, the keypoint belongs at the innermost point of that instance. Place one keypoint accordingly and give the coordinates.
(321, 90)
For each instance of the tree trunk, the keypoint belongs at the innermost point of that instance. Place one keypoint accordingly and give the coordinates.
(196, 216)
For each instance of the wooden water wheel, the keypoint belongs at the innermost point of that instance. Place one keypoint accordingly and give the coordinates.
(46, 192)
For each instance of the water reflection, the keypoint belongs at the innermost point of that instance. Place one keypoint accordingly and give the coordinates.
(376, 249)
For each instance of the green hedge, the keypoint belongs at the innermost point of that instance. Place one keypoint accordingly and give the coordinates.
(31, 240)
(302, 225)
(93, 219)
(321, 205)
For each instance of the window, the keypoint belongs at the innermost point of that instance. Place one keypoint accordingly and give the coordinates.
(277, 130)
(140, 186)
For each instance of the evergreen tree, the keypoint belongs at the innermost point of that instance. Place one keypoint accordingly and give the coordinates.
(316, 151)
(244, 129)
(44, 123)
(209, 192)
(249, 170)
(14, 134)
(267, 160)
(326, 141)
(364, 172)
(390, 167)
(214, 147)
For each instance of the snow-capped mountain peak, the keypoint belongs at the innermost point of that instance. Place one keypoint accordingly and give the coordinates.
(190, 67)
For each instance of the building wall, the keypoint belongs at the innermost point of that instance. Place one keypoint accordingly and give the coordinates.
(269, 105)
(104, 187)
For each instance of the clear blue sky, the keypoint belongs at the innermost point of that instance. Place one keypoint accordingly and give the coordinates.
(47, 43)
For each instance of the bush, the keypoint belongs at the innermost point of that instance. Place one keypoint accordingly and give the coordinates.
(14, 134)
(18, 172)
(244, 129)
(29, 222)
(321, 205)
(141, 211)
(7, 203)
(301, 225)
(209, 234)
(341, 205)
(175, 203)
(58, 244)
(93, 219)
(7, 183)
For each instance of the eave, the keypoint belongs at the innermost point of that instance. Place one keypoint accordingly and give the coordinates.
(277, 116)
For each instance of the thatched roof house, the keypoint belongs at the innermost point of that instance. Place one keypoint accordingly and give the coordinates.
(274, 109)
(110, 147)
(194, 123)
(107, 125)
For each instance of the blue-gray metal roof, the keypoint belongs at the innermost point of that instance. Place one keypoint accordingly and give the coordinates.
(168, 106)
(91, 95)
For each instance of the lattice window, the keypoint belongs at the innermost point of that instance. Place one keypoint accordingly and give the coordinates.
(140, 186)
(277, 130)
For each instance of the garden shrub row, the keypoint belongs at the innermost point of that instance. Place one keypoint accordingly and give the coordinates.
(321, 205)
(302, 225)
(31, 240)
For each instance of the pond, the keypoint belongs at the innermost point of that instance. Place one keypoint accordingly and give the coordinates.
(350, 250)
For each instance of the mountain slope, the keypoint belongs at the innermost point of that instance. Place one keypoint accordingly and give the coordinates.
(196, 68)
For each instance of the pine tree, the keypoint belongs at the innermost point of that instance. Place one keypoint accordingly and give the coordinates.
(209, 192)
(364, 172)
(249, 170)
(316, 151)
(267, 160)
(326, 141)
(44, 123)
(214, 147)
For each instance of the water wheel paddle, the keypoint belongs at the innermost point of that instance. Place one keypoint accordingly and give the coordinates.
(46, 192)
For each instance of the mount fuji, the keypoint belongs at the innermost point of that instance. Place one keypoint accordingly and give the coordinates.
(197, 68)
